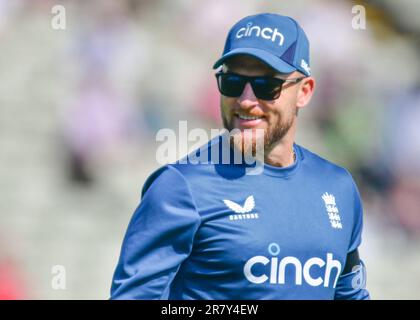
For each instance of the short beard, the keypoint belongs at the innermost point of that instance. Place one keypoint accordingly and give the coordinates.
(256, 145)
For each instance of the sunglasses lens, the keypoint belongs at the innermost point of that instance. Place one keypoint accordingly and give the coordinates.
(267, 88)
(230, 85)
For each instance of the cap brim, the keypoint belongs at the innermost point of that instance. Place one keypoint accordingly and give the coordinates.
(266, 57)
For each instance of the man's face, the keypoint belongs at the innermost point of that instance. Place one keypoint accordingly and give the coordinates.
(275, 117)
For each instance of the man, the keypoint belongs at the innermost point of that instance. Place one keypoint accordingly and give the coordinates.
(210, 230)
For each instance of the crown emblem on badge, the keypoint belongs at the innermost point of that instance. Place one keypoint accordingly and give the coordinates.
(329, 199)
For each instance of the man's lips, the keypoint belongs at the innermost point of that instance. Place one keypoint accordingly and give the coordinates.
(248, 120)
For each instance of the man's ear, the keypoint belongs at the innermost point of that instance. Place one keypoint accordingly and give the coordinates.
(306, 89)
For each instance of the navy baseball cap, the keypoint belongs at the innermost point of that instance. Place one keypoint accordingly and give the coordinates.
(274, 39)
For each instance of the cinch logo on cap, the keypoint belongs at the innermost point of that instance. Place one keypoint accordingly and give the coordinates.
(266, 33)
(278, 41)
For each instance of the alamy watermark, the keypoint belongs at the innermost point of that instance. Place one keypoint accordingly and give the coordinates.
(58, 20)
(358, 22)
(58, 281)
(247, 147)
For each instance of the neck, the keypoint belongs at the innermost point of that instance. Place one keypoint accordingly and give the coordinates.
(282, 153)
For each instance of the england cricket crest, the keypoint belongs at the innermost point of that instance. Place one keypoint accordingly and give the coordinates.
(332, 210)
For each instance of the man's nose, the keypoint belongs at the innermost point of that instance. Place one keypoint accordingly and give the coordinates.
(247, 98)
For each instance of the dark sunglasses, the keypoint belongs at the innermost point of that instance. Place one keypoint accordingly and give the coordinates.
(264, 87)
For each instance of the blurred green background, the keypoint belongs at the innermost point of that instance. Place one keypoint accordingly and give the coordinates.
(80, 108)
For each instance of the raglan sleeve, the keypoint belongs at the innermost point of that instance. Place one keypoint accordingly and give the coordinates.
(351, 284)
(158, 239)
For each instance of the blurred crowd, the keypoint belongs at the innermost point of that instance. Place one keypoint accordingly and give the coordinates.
(80, 109)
